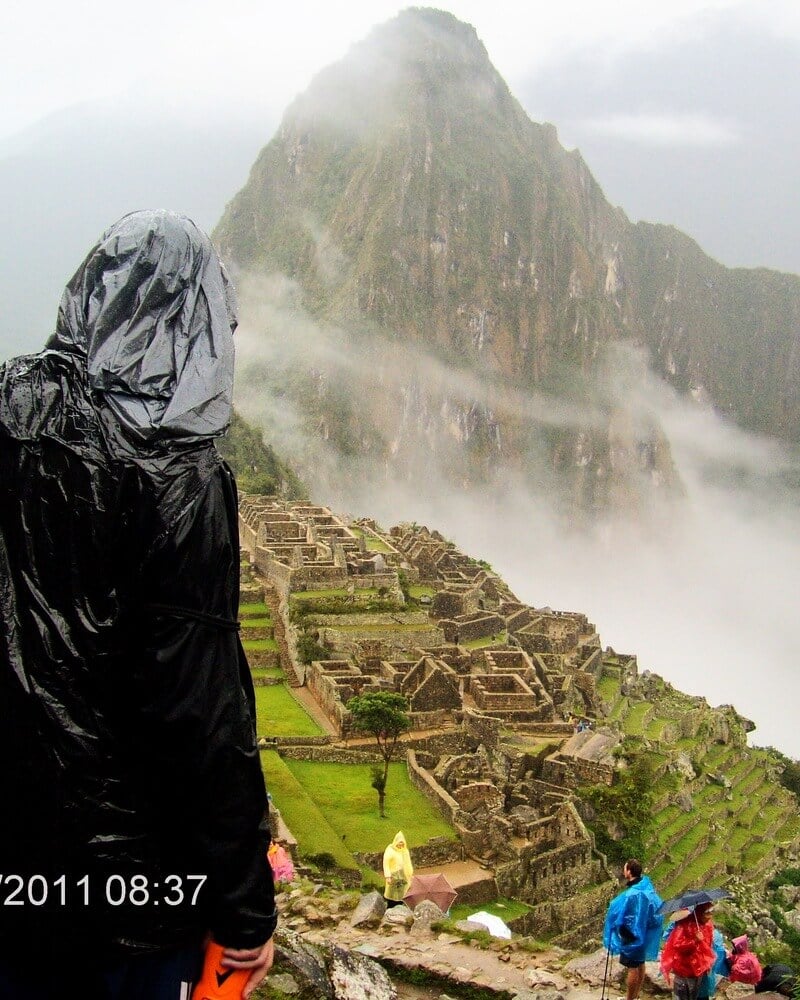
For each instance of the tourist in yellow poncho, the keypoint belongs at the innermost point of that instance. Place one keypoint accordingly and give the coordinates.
(397, 870)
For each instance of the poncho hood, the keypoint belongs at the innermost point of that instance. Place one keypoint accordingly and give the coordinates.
(151, 312)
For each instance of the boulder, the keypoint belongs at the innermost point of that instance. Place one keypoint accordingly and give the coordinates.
(356, 977)
(398, 915)
(306, 962)
(369, 911)
(426, 913)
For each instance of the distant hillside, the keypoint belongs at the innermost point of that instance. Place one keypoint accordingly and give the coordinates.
(476, 285)
(256, 466)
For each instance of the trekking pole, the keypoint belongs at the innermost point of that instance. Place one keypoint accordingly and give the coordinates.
(605, 974)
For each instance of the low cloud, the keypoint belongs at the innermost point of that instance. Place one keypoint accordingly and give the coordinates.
(666, 129)
(703, 591)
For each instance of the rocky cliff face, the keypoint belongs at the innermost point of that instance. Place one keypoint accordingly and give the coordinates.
(473, 284)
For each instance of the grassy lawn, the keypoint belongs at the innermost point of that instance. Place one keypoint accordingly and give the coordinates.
(416, 591)
(253, 609)
(506, 909)
(350, 805)
(618, 709)
(278, 714)
(262, 622)
(488, 640)
(789, 830)
(267, 672)
(656, 727)
(373, 544)
(755, 853)
(633, 723)
(301, 814)
(677, 879)
(608, 688)
(258, 645)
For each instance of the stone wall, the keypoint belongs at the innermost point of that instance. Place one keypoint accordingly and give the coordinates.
(570, 921)
(331, 754)
(573, 771)
(502, 692)
(451, 603)
(469, 628)
(424, 781)
(430, 686)
(482, 729)
(437, 851)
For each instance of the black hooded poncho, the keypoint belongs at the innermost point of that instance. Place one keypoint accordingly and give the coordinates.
(128, 762)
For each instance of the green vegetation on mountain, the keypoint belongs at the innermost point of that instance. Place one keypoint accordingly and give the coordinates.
(256, 466)
(455, 255)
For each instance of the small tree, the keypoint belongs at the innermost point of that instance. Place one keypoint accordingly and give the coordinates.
(383, 714)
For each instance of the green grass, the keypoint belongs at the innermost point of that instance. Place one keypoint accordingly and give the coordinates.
(618, 709)
(416, 591)
(259, 645)
(253, 609)
(264, 622)
(633, 723)
(278, 714)
(301, 814)
(676, 878)
(489, 640)
(303, 595)
(373, 544)
(506, 909)
(608, 688)
(789, 830)
(267, 672)
(343, 794)
(655, 727)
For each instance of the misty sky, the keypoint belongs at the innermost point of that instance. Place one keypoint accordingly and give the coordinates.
(705, 594)
(686, 112)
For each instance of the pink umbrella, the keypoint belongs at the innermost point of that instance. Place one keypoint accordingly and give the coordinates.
(436, 888)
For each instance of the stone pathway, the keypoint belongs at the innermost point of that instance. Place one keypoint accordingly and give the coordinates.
(510, 970)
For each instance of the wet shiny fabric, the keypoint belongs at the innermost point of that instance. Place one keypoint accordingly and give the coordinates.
(127, 742)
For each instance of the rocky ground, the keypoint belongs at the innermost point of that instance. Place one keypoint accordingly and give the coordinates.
(335, 945)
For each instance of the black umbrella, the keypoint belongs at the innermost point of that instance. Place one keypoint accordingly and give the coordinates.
(692, 898)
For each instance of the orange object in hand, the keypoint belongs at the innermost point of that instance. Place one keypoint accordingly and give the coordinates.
(217, 981)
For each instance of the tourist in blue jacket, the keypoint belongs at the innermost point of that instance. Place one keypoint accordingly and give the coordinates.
(633, 928)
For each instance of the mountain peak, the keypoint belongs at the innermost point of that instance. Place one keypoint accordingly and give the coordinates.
(407, 195)
(420, 57)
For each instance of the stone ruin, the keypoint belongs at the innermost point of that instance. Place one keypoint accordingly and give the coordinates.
(474, 662)
(299, 546)
(475, 646)
(508, 815)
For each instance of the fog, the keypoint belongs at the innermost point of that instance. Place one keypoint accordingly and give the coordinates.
(680, 111)
(702, 588)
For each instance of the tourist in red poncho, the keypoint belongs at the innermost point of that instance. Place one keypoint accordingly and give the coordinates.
(689, 953)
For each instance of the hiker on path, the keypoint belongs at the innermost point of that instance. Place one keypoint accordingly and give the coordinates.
(688, 953)
(134, 808)
(633, 928)
(720, 969)
(397, 870)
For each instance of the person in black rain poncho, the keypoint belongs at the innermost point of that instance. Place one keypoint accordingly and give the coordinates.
(134, 809)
